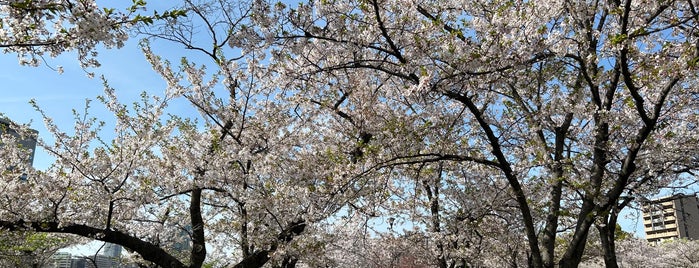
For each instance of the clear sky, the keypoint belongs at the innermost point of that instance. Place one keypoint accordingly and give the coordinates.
(125, 69)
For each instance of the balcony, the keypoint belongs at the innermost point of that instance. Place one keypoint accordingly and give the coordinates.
(658, 227)
(670, 233)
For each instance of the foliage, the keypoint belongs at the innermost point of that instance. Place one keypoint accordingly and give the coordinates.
(488, 132)
(29, 249)
(244, 178)
(575, 106)
(33, 29)
(635, 252)
(620, 234)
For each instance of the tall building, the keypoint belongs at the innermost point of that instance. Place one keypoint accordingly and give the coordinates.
(112, 250)
(26, 142)
(670, 217)
(60, 260)
(102, 261)
(66, 260)
(77, 263)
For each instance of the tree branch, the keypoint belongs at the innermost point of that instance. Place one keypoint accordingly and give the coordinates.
(147, 250)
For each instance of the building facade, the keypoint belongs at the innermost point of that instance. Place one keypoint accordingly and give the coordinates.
(66, 260)
(27, 142)
(671, 217)
(60, 260)
(112, 250)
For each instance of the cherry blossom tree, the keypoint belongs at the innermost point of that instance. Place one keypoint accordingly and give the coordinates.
(492, 128)
(245, 177)
(35, 29)
(670, 253)
(577, 105)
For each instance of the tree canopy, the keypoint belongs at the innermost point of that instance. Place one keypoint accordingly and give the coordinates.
(34, 29)
(486, 132)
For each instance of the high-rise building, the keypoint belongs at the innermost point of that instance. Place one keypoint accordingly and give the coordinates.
(27, 142)
(112, 250)
(77, 263)
(60, 260)
(671, 217)
(102, 261)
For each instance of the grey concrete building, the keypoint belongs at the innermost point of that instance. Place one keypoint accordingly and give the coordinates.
(112, 250)
(671, 217)
(27, 142)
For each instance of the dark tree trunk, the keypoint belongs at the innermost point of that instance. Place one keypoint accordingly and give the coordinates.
(607, 239)
(573, 255)
(548, 241)
(432, 194)
(608, 234)
(198, 252)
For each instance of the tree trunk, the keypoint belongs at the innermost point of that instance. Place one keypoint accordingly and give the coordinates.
(259, 258)
(607, 239)
(150, 252)
(608, 234)
(576, 248)
(289, 262)
(198, 252)
(512, 179)
(433, 197)
(548, 240)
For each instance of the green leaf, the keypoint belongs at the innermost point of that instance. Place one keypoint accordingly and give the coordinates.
(618, 39)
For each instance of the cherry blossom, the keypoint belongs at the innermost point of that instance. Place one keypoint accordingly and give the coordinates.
(486, 132)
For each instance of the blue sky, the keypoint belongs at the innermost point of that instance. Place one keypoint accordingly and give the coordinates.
(126, 70)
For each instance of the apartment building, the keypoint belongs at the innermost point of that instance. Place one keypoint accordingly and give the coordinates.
(671, 217)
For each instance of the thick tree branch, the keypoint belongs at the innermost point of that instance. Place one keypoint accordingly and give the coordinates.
(395, 51)
(504, 166)
(447, 27)
(147, 250)
(260, 257)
